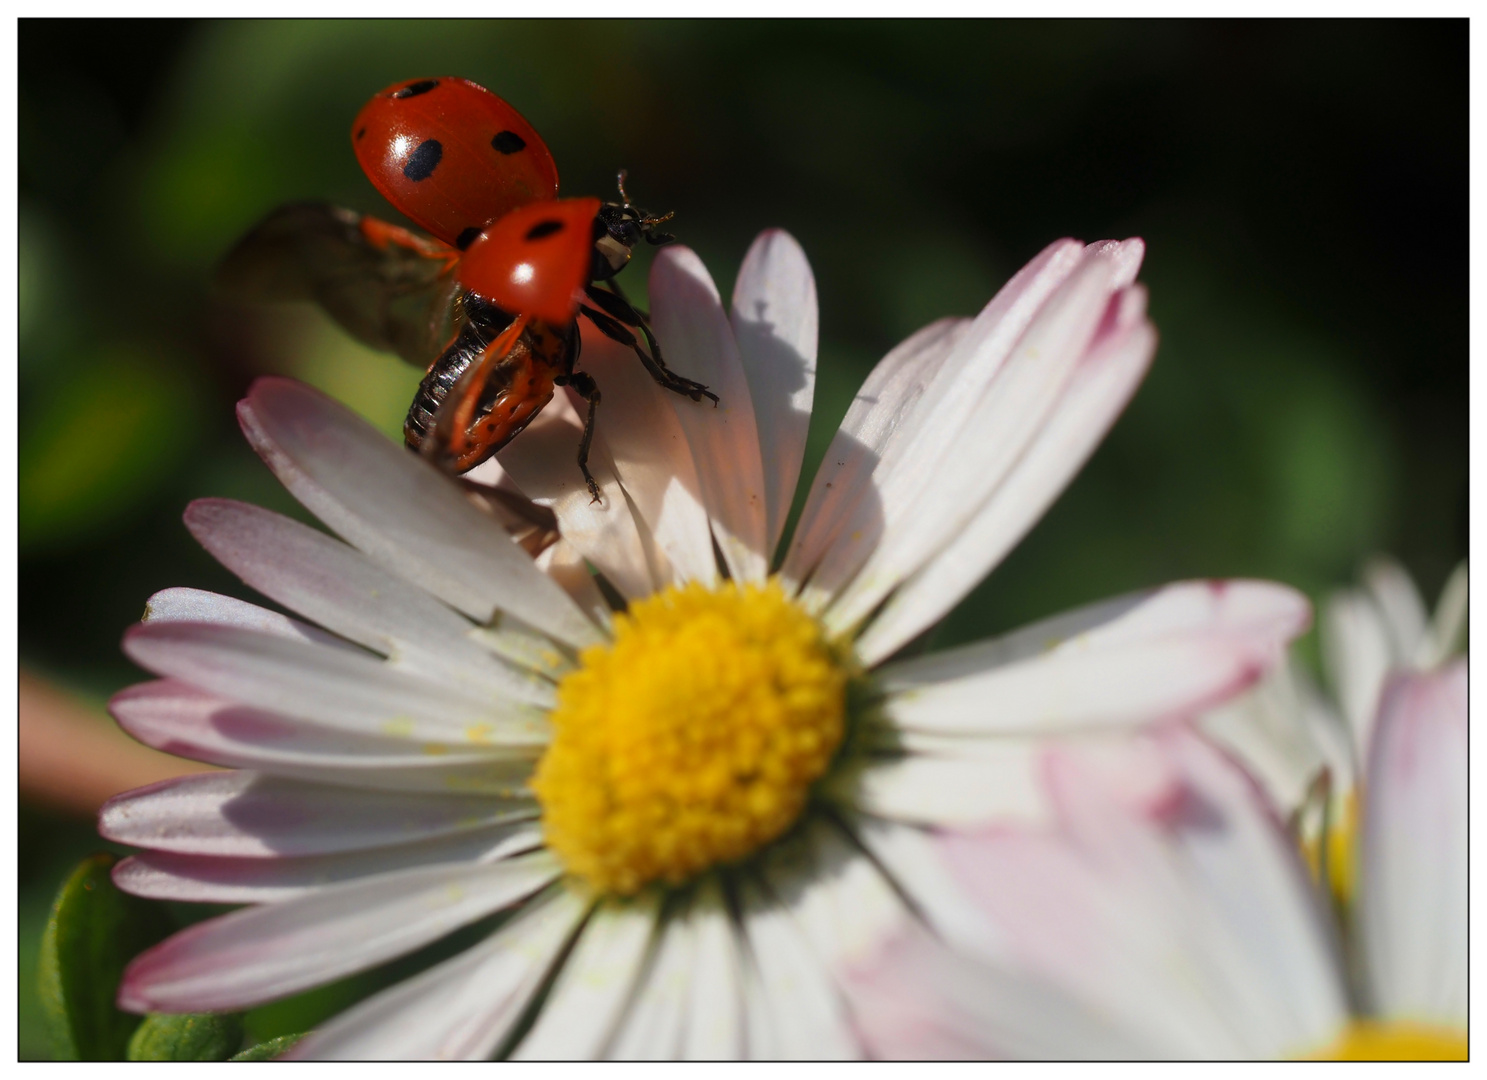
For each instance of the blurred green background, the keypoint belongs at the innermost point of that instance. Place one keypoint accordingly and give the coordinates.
(1302, 188)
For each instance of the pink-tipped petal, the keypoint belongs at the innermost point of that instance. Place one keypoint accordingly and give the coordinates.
(210, 879)
(1096, 395)
(334, 687)
(459, 1010)
(1412, 898)
(1191, 923)
(401, 512)
(698, 343)
(544, 461)
(342, 590)
(880, 417)
(1140, 659)
(775, 322)
(247, 815)
(654, 460)
(263, 953)
(198, 606)
(180, 719)
(936, 500)
(939, 423)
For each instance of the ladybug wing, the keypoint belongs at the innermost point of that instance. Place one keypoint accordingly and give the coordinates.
(451, 155)
(388, 287)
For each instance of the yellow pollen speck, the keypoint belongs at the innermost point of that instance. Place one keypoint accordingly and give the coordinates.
(692, 739)
(1340, 839)
(1396, 1040)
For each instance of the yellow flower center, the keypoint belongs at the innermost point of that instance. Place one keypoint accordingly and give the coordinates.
(692, 739)
(1377, 1040)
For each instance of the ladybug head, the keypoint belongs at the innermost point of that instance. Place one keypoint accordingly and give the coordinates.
(619, 228)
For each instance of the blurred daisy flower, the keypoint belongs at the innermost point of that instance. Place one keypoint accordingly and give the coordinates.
(1308, 750)
(688, 814)
(1170, 916)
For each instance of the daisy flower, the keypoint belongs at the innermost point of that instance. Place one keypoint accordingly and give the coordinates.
(1307, 749)
(1169, 914)
(679, 817)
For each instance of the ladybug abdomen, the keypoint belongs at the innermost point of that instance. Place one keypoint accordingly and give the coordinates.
(514, 390)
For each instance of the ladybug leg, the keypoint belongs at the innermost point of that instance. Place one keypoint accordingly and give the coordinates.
(584, 384)
(612, 322)
(614, 287)
(383, 234)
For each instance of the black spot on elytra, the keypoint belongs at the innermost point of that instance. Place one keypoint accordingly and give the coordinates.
(360, 132)
(508, 142)
(423, 161)
(423, 86)
(544, 228)
(466, 237)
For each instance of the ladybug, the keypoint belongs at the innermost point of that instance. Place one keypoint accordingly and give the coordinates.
(493, 296)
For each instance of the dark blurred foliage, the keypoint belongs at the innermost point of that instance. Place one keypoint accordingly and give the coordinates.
(1302, 187)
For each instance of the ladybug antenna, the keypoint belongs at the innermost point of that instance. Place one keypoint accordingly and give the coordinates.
(644, 219)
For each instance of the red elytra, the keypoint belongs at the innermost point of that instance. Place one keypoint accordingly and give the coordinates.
(535, 259)
(451, 155)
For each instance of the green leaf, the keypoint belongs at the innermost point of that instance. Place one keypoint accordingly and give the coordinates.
(93, 932)
(267, 1051)
(187, 1037)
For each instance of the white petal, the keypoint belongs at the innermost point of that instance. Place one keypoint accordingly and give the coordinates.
(328, 686)
(207, 879)
(197, 606)
(1189, 921)
(805, 1016)
(565, 564)
(400, 511)
(919, 999)
(1412, 899)
(775, 322)
(932, 502)
(1285, 733)
(1399, 601)
(876, 422)
(908, 855)
(654, 461)
(698, 342)
(1165, 654)
(715, 1000)
(1002, 783)
(180, 719)
(939, 422)
(463, 1008)
(339, 588)
(652, 1030)
(544, 462)
(1358, 655)
(243, 814)
(1098, 391)
(262, 953)
(842, 902)
(595, 984)
(1447, 632)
